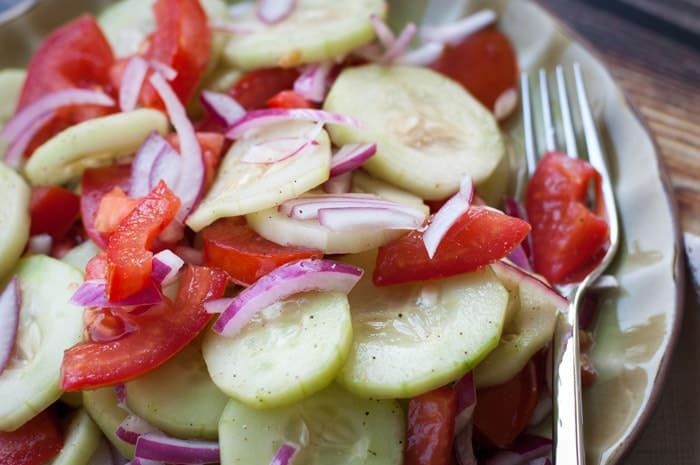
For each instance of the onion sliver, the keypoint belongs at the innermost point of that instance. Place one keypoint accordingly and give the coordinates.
(400, 46)
(455, 32)
(132, 81)
(92, 294)
(40, 244)
(351, 156)
(9, 316)
(340, 184)
(421, 56)
(284, 454)
(364, 218)
(13, 155)
(143, 163)
(448, 215)
(383, 31)
(312, 84)
(289, 279)
(464, 446)
(274, 11)
(120, 392)
(307, 208)
(166, 168)
(154, 446)
(261, 118)
(165, 267)
(167, 71)
(222, 106)
(132, 427)
(527, 447)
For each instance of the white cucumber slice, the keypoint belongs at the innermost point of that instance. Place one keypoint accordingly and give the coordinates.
(429, 131)
(242, 188)
(411, 338)
(330, 427)
(95, 142)
(102, 406)
(14, 218)
(81, 254)
(364, 183)
(179, 397)
(317, 30)
(526, 331)
(287, 352)
(11, 82)
(48, 325)
(81, 441)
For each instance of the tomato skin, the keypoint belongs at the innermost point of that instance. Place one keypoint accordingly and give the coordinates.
(255, 88)
(34, 443)
(160, 332)
(490, 52)
(431, 425)
(246, 256)
(53, 210)
(502, 412)
(129, 268)
(567, 237)
(478, 238)
(288, 99)
(95, 183)
(75, 55)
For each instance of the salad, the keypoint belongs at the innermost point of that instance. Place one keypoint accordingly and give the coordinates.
(278, 232)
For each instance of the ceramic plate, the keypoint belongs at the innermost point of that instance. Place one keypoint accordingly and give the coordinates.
(638, 324)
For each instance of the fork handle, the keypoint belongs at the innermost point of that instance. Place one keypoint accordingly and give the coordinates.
(567, 425)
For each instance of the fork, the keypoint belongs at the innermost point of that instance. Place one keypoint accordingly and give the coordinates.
(567, 421)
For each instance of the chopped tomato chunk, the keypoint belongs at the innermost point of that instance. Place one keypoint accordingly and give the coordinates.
(255, 88)
(431, 427)
(97, 182)
(53, 210)
(34, 443)
(288, 99)
(114, 207)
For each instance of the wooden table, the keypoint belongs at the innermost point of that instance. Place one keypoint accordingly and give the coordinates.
(652, 48)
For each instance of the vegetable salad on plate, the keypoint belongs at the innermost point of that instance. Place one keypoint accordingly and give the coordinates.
(277, 232)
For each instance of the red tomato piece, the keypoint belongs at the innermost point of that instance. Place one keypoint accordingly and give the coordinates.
(567, 237)
(288, 99)
(97, 182)
(502, 412)
(75, 55)
(231, 245)
(255, 88)
(431, 427)
(114, 207)
(481, 236)
(34, 443)
(128, 246)
(97, 267)
(160, 332)
(491, 53)
(53, 210)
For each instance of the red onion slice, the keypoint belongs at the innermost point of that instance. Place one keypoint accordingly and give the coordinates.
(454, 33)
(166, 168)
(132, 427)
(448, 215)
(542, 409)
(140, 461)
(284, 454)
(154, 446)
(312, 84)
(40, 244)
(466, 401)
(165, 267)
(92, 294)
(351, 156)
(383, 31)
(289, 279)
(519, 257)
(132, 81)
(10, 304)
(142, 166)
(223, 107)
(368, 218)
(166, 71)
(13, 155)
(307, 208)
(400, 46)
(261, 118)
(421, 56)
(120, 392)
(526, 448)
(274, 11)
(464, 446)
(288, 206)
(340, 184)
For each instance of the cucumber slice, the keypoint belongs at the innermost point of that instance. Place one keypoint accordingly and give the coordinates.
(187, 404)
(102, 406)
(411, 338)
(11, 82)
(331, 427)
(81, 441)
(530, 327)
(242, 187)
(290, 350)
(48, 325)
(430, 132)
(72, 399)
(81, 254)
(364, 183)
(317, 30)
(14, 218)
(95, 142)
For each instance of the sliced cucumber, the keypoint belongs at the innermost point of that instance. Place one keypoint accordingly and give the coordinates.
(72, 399)
(11, 82)
(330, 427)
(14, 218)
(290, 350)
(242, 187)
(364, 183)
(95, 142)
(429, 131)
(102, 406)
(409, 339)
(530, 327)
(179, 397)
(48, 325)
(81, 254)
(317, 30)
(81, 441)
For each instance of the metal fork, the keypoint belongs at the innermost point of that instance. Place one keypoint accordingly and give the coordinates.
(567, 424)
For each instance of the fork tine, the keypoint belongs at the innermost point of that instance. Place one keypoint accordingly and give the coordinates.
(549, 143)
(567, 121)
(528, 130)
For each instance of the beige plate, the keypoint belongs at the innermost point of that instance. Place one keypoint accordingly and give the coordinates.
(638, 325)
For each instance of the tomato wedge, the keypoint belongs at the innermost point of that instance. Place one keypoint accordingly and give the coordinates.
(255, 88)
(95, 183)
(567, 237)
(53, 210)
(129, 268)
(34, 443)
(231, 245)
(75, 55)
(478, 238)
(160, 332)
(288, 99)
(431, 427)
